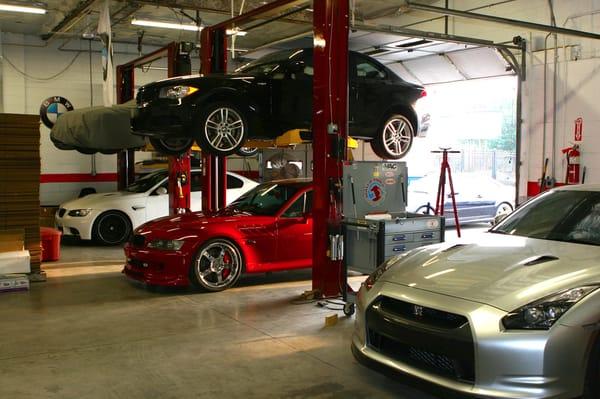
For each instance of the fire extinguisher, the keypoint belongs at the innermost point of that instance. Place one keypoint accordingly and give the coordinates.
(572, 154)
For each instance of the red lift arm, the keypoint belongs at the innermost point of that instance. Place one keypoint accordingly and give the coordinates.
(179, 167)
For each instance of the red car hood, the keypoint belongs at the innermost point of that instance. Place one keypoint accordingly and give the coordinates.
(172, 227)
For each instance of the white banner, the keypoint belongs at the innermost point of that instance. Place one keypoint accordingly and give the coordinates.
(105, 33)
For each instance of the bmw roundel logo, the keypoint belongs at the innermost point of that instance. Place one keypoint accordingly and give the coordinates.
(52, 108)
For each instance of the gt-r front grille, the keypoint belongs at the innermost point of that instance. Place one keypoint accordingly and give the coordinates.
(422, 314)
(427, 343)
(138, 240)
(439, 362)
(61, 212)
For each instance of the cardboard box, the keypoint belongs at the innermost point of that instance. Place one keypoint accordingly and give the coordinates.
(13, 282)
(15, 262)
(11, 240)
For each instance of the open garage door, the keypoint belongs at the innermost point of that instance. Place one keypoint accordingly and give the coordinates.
(471, 107)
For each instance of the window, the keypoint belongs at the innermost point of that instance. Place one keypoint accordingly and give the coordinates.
(300, 207)
(264, 199)
(196, 181)
(302, 66)
(365, 69)
(234, 182)
(570, 215)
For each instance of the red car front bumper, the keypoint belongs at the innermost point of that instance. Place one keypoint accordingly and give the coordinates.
(156, 267)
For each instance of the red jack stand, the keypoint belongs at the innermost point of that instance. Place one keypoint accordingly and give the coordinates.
(440, 199)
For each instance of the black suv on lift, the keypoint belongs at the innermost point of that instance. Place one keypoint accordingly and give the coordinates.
(269, 96)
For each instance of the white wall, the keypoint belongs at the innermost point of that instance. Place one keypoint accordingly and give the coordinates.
(24, 94)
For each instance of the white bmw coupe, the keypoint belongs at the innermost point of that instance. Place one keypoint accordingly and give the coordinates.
(109, 218)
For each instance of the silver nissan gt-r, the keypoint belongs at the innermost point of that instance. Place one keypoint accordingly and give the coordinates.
(515, 314)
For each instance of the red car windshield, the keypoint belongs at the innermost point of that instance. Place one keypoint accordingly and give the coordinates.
(265, 199)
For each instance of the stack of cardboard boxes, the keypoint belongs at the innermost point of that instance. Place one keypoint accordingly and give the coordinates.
(19, 194)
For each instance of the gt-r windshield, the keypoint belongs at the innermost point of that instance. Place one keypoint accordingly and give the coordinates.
(570, 216)
(265, 199)
(147, 182)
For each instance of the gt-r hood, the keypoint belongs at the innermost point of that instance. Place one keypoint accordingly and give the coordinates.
(98, 200)
(499, 270)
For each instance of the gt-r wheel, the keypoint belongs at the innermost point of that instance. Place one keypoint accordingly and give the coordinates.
(503, 209)
(172, 146)
(111, 228)
(223, 129)
(217, 266)
(394, 139)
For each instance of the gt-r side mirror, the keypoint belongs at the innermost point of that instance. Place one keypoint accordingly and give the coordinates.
(160, 191)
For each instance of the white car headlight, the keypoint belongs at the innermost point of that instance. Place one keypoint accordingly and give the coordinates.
(177, 92)
(79, 212)
(543, 313)
(167, 245)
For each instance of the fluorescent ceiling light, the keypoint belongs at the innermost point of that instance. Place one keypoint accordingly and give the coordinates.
(236, 32)
(24, 9)
(165, 25)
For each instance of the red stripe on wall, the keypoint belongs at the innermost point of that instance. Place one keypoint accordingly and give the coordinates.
(77, 177)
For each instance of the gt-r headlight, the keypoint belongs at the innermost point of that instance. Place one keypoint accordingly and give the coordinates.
(79, 213)
(177, 92)
(167, 245)
(373, 277)
(543, 313)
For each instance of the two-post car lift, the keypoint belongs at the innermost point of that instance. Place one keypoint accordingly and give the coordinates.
(179, 167)
(329, 127)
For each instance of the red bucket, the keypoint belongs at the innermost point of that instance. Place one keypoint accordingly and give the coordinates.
(50, 244)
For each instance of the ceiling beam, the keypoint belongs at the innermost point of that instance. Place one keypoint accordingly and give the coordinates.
(441, 37)
(70, 19)
(504, 21)
(221, 7)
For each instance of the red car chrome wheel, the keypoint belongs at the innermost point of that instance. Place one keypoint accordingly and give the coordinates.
(217, 265)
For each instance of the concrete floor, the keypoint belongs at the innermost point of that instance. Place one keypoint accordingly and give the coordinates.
(89, 333)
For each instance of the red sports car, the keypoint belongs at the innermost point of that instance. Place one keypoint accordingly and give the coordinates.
(267, 229)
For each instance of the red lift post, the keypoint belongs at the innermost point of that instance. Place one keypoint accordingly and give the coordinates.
(214, 169)
(330, 126)
(330, 134)
(179, 167)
